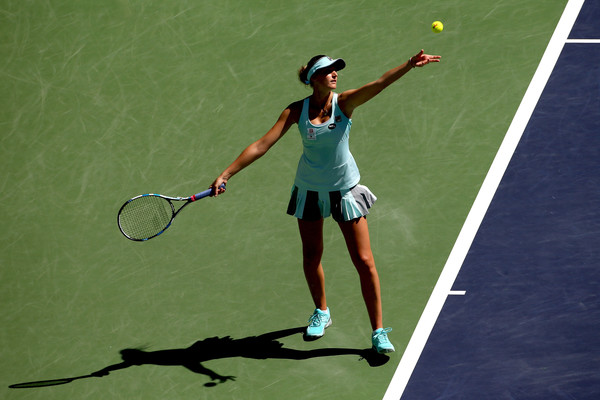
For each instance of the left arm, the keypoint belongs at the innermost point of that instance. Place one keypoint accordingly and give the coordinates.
(351, 99)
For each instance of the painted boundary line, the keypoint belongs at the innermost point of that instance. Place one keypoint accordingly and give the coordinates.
(465, 238)
(584, 41)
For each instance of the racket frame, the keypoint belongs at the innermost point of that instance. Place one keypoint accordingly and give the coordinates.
(170, 200)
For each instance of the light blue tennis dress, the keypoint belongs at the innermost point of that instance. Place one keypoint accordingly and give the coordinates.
(327, 177)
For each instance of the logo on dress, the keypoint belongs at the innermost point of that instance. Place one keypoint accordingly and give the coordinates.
(338, 118)
(331, 126)
(311, 135)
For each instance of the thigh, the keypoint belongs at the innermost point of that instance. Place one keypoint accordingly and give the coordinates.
(356, 234)
(311, 233)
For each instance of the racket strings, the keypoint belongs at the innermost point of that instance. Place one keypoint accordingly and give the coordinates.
(145, 217)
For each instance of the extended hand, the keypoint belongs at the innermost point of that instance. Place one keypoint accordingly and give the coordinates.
(421, 59)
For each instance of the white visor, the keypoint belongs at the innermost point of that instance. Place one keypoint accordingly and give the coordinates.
(324, 62)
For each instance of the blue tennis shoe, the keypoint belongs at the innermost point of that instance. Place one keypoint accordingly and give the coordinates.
(380, 340)
(317, 323)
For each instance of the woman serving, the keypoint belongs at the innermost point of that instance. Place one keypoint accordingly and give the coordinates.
(327, 182)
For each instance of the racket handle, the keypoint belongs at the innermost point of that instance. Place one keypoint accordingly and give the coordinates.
(205, 193)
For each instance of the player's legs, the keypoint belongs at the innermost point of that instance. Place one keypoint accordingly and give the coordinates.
(356, 234)
(311, 233)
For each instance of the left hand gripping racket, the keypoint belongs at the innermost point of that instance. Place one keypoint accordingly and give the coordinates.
(148, 215)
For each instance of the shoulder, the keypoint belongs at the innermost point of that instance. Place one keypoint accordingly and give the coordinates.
(294, 110)
(344, 101)
(297, 105)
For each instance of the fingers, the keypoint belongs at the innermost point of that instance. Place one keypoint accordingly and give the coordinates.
(424, 59)
(217, 187)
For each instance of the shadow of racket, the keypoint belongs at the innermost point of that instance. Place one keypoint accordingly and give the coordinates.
(53, 382)
(63, 381)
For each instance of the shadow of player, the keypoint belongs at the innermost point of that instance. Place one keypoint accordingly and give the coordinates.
(262, 347)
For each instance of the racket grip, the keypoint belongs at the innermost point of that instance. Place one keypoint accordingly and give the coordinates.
(205, 193)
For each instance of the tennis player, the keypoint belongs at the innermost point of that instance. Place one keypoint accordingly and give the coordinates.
(327, 181)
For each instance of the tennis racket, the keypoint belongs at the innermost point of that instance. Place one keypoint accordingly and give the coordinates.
(148, 215)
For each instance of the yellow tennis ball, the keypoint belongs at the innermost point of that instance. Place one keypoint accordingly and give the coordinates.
(437, 27)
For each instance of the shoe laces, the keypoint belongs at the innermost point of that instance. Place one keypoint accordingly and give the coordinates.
(381, 336)
(317, 319)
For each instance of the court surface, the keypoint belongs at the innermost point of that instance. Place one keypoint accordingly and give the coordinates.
(102, 101)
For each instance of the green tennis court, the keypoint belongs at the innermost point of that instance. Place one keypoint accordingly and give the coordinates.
(102, 101)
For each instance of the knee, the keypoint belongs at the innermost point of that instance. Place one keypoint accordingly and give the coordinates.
(312, 254)
(365, 263)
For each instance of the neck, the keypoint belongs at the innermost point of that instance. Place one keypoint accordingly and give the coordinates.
(320, 99)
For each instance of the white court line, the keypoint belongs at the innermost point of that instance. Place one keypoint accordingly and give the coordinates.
(482, 202)
(585, 41)
(457, 293)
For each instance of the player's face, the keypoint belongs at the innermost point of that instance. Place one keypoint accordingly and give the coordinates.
(326, 77)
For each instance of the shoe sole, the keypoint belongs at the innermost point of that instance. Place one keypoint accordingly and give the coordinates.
(384, 351)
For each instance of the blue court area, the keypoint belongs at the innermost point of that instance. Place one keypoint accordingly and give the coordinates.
(528, 324)
(587, 26)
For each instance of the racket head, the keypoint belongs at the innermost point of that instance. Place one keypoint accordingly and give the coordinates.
(146, 216)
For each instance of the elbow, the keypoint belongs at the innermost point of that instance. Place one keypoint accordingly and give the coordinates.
(380, 85)
(260, 149)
